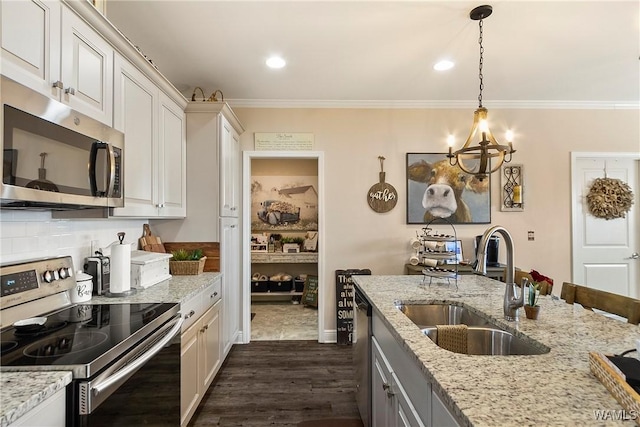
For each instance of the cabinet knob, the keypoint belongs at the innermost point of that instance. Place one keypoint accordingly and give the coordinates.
(215, 294)
(188, 315)
(70, 91)
(387, 387)
(57, 84)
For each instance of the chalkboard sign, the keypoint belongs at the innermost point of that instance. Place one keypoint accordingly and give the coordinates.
(310, 291)
(344, 304)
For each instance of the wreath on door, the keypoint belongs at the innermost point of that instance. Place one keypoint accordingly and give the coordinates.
(609, 198)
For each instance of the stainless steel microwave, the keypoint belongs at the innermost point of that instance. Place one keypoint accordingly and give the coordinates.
(54, 157)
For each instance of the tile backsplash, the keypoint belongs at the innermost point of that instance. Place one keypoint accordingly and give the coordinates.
(28, 235)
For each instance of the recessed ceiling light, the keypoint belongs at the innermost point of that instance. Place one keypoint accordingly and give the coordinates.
(276, 62)
(443, 65)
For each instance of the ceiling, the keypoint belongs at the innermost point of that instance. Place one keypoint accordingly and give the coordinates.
(541, 54)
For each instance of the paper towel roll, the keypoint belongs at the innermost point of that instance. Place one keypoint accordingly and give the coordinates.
(120, 268)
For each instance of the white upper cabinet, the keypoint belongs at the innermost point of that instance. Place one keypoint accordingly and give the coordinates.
(31, 44)
(48, 48)
(136, 114)
(155, 150)
(229, 169)
(172, 171)
(87, 69)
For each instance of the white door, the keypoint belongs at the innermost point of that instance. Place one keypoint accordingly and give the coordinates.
(605, 251)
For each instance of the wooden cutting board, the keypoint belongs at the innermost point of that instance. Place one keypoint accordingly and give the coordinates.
(149, 242)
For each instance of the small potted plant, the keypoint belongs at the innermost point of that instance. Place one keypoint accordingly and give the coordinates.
(186, 262)
(531, 307)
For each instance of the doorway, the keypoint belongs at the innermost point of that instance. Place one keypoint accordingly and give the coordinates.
(265, 264)
(604, 252)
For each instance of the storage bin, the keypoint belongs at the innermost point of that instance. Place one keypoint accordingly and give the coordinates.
(148, 268)
(284, 286)
(259, 286)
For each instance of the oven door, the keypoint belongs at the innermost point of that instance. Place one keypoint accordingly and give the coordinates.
(142, 388)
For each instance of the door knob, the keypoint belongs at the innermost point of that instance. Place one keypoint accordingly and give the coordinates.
(634, 255)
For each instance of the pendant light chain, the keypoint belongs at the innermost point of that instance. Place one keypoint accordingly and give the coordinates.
(480, 64)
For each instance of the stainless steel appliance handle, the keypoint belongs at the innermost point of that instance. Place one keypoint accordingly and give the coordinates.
(137, 363)
(112, 170)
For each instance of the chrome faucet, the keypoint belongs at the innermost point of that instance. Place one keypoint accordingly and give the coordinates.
(511, 303)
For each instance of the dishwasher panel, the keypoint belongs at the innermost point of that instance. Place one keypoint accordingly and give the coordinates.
(362, 355)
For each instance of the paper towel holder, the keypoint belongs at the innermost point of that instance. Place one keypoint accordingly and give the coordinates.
(129, 291)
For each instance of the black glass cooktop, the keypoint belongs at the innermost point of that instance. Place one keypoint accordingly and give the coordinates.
(82, 334)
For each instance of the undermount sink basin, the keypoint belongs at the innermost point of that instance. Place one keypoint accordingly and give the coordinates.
(483, 336)
(426, 315)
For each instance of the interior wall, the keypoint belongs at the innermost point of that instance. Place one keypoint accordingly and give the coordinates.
(352, 140)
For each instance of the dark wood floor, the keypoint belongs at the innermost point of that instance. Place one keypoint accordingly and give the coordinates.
(280, 383)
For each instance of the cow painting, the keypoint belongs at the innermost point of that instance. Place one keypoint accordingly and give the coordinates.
(444, 191)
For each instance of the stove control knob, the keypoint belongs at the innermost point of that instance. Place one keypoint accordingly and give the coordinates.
(48, 276)
(64, 272)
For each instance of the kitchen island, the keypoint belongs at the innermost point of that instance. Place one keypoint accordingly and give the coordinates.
(555, 388)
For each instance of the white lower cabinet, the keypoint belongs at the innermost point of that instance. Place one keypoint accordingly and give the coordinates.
(51, 412)
(401, 394)
(201, 348)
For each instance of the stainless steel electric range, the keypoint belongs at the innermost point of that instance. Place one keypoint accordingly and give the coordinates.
(125, 358)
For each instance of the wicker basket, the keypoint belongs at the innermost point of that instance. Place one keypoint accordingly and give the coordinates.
(183, 268)
(611, 377)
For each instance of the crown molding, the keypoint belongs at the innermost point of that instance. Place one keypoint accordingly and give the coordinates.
(422, 104)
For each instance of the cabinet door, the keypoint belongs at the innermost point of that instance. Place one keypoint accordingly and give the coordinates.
(229, 169)
(230, 269)
(86, 68)
(382, 405)
(405, 415)
(135, 100)
(31, 43)
(173, 160)
(190, 390)
(210, 345)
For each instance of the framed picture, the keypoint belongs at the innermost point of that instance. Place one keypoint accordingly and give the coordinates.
(284, 203)
(435, 189)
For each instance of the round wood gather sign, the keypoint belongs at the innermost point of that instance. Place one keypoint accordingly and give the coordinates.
(382, 197)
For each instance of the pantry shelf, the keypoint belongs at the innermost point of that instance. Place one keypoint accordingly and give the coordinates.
(284, 258)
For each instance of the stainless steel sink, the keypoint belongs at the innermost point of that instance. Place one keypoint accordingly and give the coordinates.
(492, 341)
(483, 336)
(425, 315)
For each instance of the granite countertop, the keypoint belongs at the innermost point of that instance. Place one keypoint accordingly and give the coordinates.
(23, 391)
(556, 388)
(20, 394)
(176, 289)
